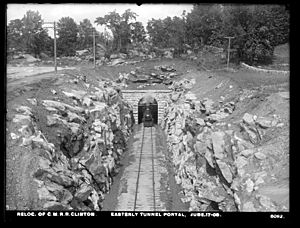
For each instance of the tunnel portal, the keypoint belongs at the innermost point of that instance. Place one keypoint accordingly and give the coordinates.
(152, 103)
(134, 97)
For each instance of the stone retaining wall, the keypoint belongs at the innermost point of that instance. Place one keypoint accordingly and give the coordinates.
(264, 70)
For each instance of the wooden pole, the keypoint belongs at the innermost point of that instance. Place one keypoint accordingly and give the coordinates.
(55, 62)
(94, 48)
(228, 50)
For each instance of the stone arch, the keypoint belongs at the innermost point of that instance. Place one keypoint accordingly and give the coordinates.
(134, 96)
(148, 100)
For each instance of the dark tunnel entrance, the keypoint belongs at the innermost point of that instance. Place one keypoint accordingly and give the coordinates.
(148, 100)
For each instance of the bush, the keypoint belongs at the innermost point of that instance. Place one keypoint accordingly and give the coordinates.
(256, 51)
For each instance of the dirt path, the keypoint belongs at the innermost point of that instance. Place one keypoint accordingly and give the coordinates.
(24, 72)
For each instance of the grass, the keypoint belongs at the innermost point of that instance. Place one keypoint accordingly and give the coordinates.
(248, 79)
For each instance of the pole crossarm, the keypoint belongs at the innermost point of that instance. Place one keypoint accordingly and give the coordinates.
(53, 27)
(94, 45)
(228, 50)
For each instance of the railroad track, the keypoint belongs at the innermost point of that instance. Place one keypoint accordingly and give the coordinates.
(140, 182)
(147, 159)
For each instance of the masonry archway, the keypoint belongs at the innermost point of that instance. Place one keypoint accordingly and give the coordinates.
(134, 96)
(151, 101)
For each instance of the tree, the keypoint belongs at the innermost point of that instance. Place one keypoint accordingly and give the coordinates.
(33, 35)
(85, 39)
(14, 36)
(168, 33)
(120, 27)
(203, 22)
(157, 34)
(258, 29)
(67, 36)
(138, 32)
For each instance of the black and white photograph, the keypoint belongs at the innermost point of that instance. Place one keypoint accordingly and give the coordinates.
(140, 110)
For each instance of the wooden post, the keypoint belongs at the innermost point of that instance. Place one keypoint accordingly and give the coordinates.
(54, 28)
(228, 55)
(55, 63)
(94, 48)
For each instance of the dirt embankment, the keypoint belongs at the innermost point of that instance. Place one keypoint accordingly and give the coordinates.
(229, 141)
(53, 161)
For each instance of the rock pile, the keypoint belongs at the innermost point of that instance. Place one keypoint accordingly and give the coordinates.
(77, 173)
(142, 50)
(218, 169)
(160, 74)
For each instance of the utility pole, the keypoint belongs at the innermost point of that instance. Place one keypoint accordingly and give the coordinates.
(54, 28)
(94, 46)
(228, 50)
(55, 63)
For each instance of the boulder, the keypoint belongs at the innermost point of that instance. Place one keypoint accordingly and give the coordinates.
(122, 55)
(218, 144)
(71, 145)
(209, 158)
(200, 147)
(14, 136)
(246, 153)
(82, 52)
(61, 106)
(73, 117)
(75, 94)
(175, 96)
(248, 118)
(53, 120)
(114, 56)
(190, 96)
(24, 110)
(200, 121)
(87, 101)
(83, 192)
(248, 207)
(165, 68)
(32, 101)
(208, 105)
(61, 179)
(249, 185)
(225, 170)
(216, 116)
(264, 122)
(44, 194)
(21, 119)
(27, 130)
(43, 55)
(168, 54)
(117, 61)
(30, 58)
(260, 155)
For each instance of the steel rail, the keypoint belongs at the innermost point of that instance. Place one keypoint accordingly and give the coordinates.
(153, 179)
(139, 170)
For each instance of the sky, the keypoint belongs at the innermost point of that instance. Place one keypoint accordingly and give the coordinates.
(54, 12)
